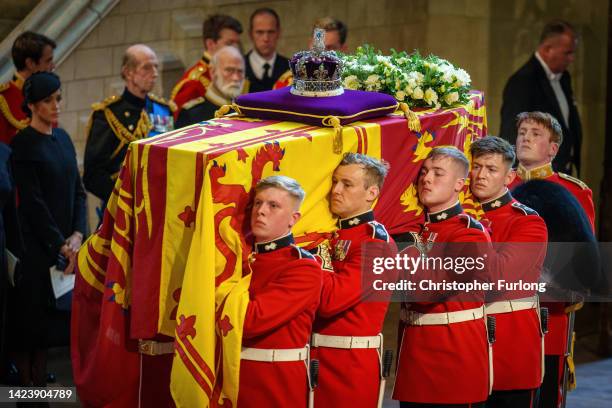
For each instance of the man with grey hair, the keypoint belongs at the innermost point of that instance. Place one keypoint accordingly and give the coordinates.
(227, 67)
(544, 84)
(284, 294)
(347, 331)
(119, 120)
(444, 354)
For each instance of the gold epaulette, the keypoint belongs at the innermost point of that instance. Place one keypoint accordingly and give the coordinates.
(4, 86)
(106, 102)
(194, 102)
(574, 180)
(287, 76)
(162, 101)
(8, 114)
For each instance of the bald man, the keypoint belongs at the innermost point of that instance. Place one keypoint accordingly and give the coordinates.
(227, 69)
(119, 120)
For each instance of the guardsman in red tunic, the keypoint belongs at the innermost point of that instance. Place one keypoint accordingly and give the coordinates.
(284, 295)
(32, 52)
(537, 143)
(347, 337)
(518, 353)
(219, 30)
(444, 355)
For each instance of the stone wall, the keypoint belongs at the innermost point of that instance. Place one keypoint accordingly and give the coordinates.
(489, 38)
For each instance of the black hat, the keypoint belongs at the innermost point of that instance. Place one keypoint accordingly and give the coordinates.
(37, 87)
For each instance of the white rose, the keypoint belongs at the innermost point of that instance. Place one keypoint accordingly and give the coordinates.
(451, 98)
(463, 78)
(400, 95)
(417, 93)
(351, 82)
(431, 97)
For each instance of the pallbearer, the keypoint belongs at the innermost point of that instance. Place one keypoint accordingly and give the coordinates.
(444, 350)
(283, 297)
(347, 337)
(518, 348)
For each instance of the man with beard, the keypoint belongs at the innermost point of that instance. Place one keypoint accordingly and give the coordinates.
(119, 120)
(520, 236)
(227, 67)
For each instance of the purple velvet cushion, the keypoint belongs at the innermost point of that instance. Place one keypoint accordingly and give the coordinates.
(282, 105)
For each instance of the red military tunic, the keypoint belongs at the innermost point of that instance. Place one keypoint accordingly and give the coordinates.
(446, 363)
(284, 80)
(284, 295)
(517, 351)
(577, 187)
(193, 84)
(556, 338)
(12, 118)
(350, 377)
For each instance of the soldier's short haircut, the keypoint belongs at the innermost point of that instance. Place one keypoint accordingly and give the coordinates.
(214, 24)
(454, 154)
(264, 10)
(556, 28)
(547, 120)
(375, 170)
(494, 145)
(29, 45)
(332, 24)
(284, 183)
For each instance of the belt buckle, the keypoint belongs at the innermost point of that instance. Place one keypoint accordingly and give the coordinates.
(146, 347)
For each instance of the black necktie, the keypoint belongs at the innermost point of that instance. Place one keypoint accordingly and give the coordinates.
(266, 74)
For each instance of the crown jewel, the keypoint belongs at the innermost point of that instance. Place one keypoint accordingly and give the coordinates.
(316, 72)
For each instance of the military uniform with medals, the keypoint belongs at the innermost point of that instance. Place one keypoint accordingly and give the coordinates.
(444, 354)
(347, 337)
(114, 124)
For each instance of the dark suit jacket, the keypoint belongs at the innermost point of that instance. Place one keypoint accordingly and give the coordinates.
(281, 65)
(528, 89)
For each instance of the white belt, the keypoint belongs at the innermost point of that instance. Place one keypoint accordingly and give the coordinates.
(507, 306)
(155, 348)
(273, 355)
(413, 318)
(346, 342)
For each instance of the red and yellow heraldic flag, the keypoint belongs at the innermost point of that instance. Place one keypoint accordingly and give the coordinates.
(168, 257)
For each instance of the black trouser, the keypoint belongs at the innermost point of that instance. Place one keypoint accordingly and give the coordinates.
(549, 391)
(420, 405)
(513, 399)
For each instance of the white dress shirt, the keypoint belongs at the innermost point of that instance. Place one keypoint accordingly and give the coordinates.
(257, 62)
(555, 83)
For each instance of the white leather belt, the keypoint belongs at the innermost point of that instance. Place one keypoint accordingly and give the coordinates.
(155, 348)
(413, 318)
(274, 355)
(507, 306)
(346, 342)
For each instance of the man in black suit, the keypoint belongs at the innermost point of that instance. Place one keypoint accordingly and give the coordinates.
(544, 84)
(265, 69)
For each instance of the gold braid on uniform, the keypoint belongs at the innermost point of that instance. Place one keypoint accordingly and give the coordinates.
(6, 111)
(143, 127)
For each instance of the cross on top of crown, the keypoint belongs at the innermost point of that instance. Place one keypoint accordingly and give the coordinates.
(318, 42)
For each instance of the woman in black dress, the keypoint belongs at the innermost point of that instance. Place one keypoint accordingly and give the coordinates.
(52, 214)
